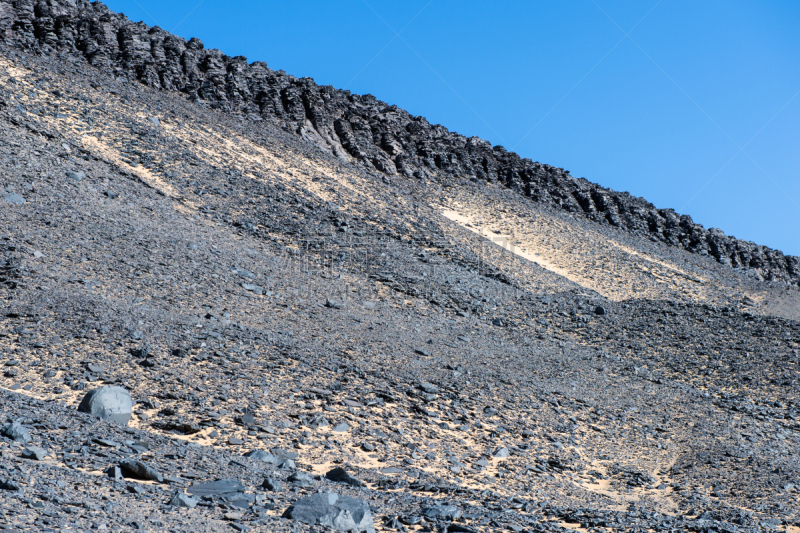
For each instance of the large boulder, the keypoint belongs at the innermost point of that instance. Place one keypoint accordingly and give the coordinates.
(340, 513)
(110, 402)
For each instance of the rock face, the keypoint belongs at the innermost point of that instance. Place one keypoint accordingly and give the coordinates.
(356, 128)
(110, 402)
(341, 513)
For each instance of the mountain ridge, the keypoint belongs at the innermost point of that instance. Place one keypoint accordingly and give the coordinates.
(357, 128)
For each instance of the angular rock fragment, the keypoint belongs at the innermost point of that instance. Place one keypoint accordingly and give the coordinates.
(9, 485)
(114, 472)
(181, 499)
(340, 513)
(261, 455)
(76, 175)
(17, 432)
(341, 427)
(301, 479)
(34, 452)
(14, 198)
(255, 289)
(441, 512)
(501, 453)
(136, 469)
(333, 304)
(215, 488)
(272, 484)
(340, 475)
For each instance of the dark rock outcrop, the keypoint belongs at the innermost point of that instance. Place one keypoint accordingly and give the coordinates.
(357, 128)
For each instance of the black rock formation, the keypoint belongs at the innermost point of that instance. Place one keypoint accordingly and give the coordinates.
(358, 128)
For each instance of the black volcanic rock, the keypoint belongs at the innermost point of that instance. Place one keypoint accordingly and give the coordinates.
(358, 128)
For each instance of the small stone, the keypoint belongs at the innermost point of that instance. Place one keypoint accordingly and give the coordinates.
(441, 512)
(114, 472)
(17, 432)
(34, 452)
(14, 198)
(246, 419)
(341, 428)
(340, 475)
(215, 488)
(77, 176)
(301, 479)
(284, 463)
(261, 455)
(181, 499)
(429, 388)
(255, 289)
(137, 469)
(501, 453)
(600, 310)
(333, 304)
(8, 485)
(272, 484)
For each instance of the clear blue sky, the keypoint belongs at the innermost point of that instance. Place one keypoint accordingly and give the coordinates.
(692, 105)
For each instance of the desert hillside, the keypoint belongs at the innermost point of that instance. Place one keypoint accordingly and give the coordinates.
(287, 294)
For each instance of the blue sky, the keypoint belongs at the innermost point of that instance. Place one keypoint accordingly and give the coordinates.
(692, 105)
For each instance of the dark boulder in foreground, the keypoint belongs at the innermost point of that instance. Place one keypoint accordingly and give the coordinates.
(340, 513)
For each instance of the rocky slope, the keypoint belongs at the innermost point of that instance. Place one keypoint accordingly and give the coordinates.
(360, 128)
(477, 361)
